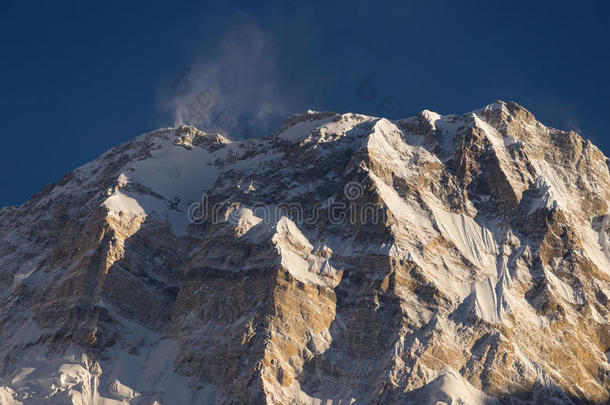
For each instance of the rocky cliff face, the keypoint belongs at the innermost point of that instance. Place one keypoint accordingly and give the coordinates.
(343, 259)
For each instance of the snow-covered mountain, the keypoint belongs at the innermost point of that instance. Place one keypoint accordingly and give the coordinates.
(343, 259)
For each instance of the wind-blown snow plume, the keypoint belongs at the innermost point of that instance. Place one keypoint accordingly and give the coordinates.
(232, 89)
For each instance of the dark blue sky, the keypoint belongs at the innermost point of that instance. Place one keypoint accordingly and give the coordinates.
(77, 79)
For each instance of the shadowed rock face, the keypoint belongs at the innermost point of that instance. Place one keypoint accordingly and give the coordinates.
(343, 259)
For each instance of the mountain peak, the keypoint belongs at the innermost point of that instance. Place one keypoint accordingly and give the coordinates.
(344, 258)
(310, 115)
(189, 136)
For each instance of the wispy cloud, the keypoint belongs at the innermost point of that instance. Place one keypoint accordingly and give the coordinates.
(234, 88)
(557, 113)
